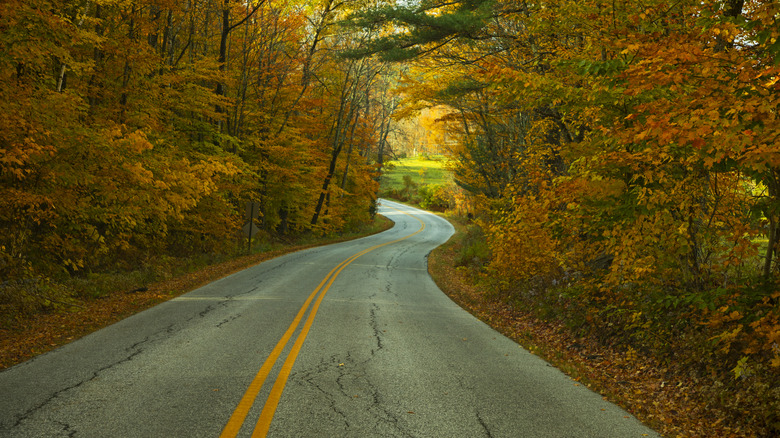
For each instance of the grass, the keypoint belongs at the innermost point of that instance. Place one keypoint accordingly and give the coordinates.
(421, 170)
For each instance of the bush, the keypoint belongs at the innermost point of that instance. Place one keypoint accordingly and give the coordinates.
(28, 296)
(434, 197)
(475, 252)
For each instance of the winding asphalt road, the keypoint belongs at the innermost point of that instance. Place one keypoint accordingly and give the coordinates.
(347, 340)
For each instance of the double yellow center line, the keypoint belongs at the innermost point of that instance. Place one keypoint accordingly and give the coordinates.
(266, 415)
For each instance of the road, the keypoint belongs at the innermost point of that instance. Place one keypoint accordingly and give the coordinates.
(348, 340)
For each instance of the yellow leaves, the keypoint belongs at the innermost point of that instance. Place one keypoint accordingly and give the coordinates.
(630, 48)
(521, 245)
(631, 354)
(137, 142)
(642, 135)
(734, 316)
(75, 265)
(140, 174)
(727, 338)
(742, 369)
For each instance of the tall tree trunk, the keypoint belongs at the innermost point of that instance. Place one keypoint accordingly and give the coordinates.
(731, 9)
(222, 59)
(306, 76)
(351, 143)
(98, 58)
(238, 115)
(770, 249)
(338, 144)
(325, 186)
(127, 69)
(385, 130)
(773, 235)
(64, 67)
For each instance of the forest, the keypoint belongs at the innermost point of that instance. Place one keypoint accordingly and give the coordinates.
(622, 166)
(618, 160)
(132, 131)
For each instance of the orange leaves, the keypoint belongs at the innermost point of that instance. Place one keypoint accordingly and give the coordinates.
(115, 146)
(646, 175)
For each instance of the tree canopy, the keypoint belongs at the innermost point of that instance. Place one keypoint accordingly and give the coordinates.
(621, 157)
(625, 150)
(135, 129)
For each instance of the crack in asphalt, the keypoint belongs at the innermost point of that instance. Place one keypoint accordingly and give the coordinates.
(133, 351)
(375, 327)
(402, 251)
(352, 384)
(310, 377)
(484, 425)
(383, 414)
(67, 429)
(228, 320)
(342, 388)
(389, 289)
(257, 278)
(208, 309)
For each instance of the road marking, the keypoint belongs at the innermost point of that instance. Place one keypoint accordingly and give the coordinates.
(389, 267)
(239, 415)
(375, 266)
(229, 298)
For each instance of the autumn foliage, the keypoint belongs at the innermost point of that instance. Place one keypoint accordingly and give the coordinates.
(134, 130)
(624, 158)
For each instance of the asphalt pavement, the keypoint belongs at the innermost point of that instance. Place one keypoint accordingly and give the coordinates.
(347, 340)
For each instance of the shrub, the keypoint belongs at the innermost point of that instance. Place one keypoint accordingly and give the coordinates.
(434, 197)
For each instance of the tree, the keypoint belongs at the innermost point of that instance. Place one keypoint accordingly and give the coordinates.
(138, 129)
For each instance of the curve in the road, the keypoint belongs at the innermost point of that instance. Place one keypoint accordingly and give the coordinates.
(238, 417)
(388, 355)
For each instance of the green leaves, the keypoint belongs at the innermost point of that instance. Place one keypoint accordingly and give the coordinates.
(414, 30)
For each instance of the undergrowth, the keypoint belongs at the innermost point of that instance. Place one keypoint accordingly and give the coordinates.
(679, 352)
(21, 300)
